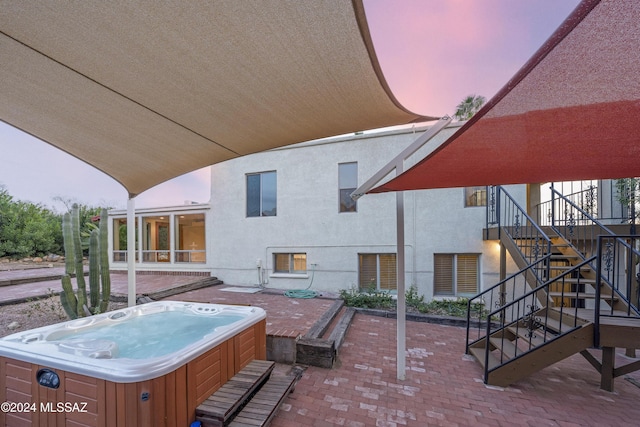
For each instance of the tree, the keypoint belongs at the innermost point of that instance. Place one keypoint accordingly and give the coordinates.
(469, 106)
(27, 229)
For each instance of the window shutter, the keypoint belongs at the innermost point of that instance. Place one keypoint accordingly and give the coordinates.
(388, 267)
(467, 274)
(282, 263)
(368, 271)
(299, 262)
(443, 274)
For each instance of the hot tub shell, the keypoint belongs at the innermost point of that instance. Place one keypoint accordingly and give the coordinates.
(168, 396)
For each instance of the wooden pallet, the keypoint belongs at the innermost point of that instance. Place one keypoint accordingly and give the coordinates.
(260, 410)
(222, 405)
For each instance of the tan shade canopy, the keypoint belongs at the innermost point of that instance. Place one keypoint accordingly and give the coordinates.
(147, 90)
(572, 112)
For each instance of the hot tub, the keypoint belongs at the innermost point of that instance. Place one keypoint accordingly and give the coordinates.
(146, 365)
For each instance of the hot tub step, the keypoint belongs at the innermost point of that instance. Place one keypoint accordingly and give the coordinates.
(222, 405)
(260, 410)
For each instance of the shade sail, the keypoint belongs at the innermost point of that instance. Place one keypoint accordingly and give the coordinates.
(572, 112)
(146, 90)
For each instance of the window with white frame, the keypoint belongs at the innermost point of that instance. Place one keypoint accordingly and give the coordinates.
(294, 263)
(347, 183)
(190, 238)
(475, 196)
(455, 274)
(261, 194)
(377, 271)
(120, 240)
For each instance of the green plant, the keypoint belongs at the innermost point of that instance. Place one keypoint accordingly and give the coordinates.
(450, 307)
(369, 298)
(75, 303)
(27, 229)
(414, 300)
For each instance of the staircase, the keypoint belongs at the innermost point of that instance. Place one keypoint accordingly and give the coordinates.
(572, 294)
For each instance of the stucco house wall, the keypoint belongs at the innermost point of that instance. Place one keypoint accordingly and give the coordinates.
(308, 219)
(240, 249)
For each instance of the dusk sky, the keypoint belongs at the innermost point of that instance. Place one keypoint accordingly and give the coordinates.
(433, 54)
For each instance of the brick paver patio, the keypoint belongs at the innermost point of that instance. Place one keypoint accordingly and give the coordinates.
(444, 387)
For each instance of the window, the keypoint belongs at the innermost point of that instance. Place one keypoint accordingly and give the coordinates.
(475, 196)
(190, 238)
(455, 274)
(290, 263)
(120, 240)
(261, 194)
(156, 239)
(377, 271)
(347, 183)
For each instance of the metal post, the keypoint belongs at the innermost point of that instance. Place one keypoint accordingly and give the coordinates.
(398, 164)
(131, 250)
(401, 303)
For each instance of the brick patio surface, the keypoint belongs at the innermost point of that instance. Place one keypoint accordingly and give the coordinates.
(443, 387)
(286, 317)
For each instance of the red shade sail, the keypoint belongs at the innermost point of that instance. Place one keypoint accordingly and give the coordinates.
(572, 112)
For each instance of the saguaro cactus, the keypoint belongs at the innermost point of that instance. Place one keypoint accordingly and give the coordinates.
(75, 304)
(105, 278)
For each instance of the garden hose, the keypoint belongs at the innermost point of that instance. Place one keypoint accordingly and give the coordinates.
(303, 293)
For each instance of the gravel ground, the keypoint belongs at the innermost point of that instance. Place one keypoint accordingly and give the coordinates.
(21, 317)
(34, 314)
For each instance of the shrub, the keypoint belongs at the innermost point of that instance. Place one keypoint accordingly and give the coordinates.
(369, 298)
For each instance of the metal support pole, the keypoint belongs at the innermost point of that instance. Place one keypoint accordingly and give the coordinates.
(131, 250)
(401, 303)
(398, 164)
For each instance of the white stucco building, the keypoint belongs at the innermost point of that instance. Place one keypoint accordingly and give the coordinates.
(283, 219)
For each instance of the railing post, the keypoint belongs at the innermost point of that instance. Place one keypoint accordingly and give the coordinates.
(630, 275)
(498, 219)
(553, 207)
(466, 346)
(596, 312)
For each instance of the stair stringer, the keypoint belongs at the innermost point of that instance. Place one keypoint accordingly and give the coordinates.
(542, 356)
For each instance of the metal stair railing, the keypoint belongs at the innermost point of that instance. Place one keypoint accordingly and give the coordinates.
(618, 259)
(575, 225)
(510, 218)
(503, 293)
(529, 321)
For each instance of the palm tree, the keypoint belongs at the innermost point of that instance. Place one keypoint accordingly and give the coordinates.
(469, 106)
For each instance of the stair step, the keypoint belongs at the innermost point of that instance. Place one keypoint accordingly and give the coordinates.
(506, 347)
(576, 281)
(478, 353)
(221, 406)
(564, 257)
(261, 409)
(583, 269)
(533, 341)
(582, 295)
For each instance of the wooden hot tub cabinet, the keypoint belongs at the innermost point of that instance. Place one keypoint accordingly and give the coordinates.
(169, 400)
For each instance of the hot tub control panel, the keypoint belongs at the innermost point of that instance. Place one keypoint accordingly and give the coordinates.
(48, 378)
